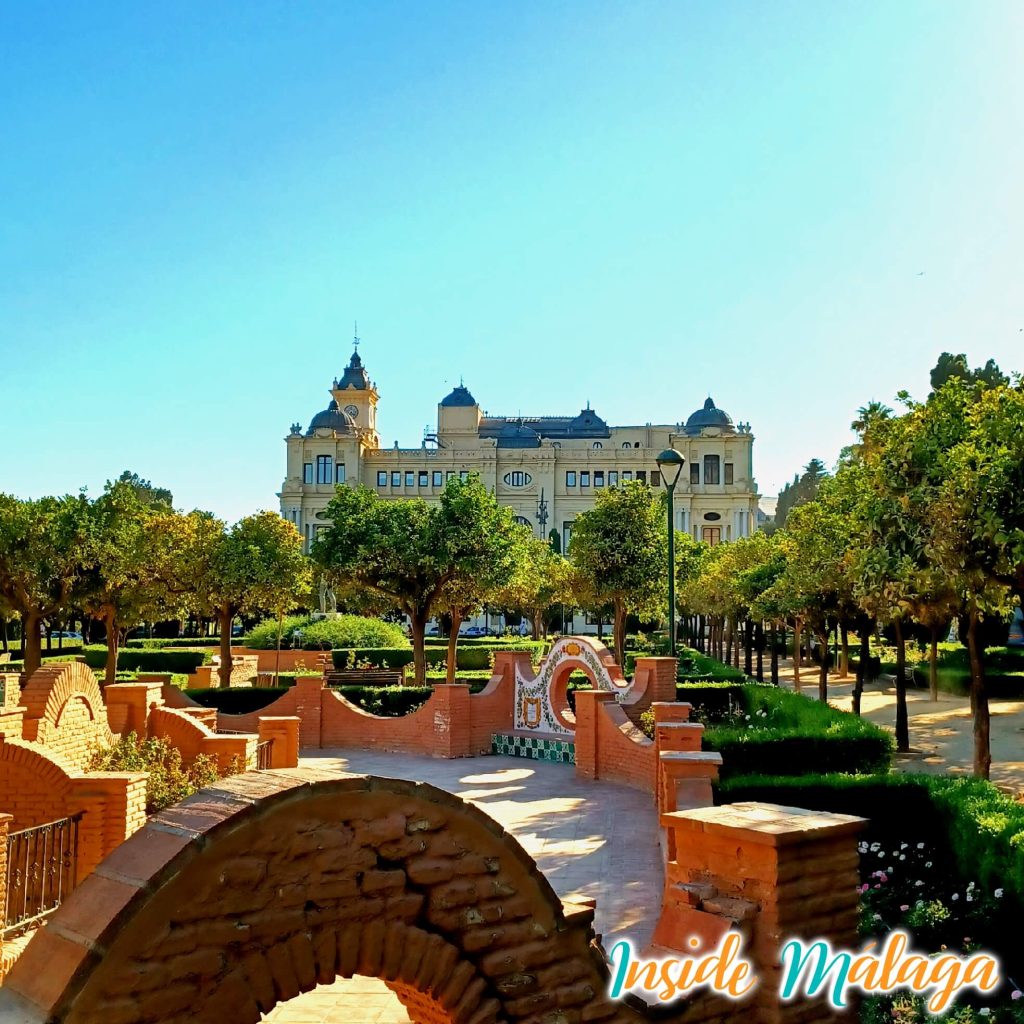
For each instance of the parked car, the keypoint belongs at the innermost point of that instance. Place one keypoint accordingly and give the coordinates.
(63, 635)
(474, 631)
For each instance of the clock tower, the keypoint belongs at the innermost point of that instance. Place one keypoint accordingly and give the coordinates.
(357, 397)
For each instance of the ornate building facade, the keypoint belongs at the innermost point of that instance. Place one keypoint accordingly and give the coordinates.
(548, 469)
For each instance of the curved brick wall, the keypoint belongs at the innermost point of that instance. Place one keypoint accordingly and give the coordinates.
(248, 893)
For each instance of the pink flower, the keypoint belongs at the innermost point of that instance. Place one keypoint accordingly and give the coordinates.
(1016, 994)
(905, 907)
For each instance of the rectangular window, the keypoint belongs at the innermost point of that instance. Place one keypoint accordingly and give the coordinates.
(323, 469)
(424, 478)
(728, 472)
(438, 479)
(339, 473)
(566, 536)
(655, 478)
(410, 478)
(613, 477)
(449, 474)
(463, 474)
(307, 472)
(570, 478)
(585, 479)
(711, 469)
(694, 472)
(599, 478)
(641, 475)
(382, 478)
(627, 474)
(396, 479)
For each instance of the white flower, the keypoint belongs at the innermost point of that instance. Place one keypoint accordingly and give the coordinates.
(903, 846)
(984, 1011)
(919, 882)
(874, 846)
(881, 853)
(998, 894)
(956, 896)
(970, 885)
(920, 846)
(903, 856)
(969, 898)
(928, 864)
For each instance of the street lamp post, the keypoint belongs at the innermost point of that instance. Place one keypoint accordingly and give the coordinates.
(667, 460)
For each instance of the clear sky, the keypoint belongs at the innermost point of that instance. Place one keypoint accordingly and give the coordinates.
(793, 207)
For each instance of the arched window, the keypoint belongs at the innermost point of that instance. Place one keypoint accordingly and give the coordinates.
(712, 466)
(636, 445)
(523, 521)
(597, 444)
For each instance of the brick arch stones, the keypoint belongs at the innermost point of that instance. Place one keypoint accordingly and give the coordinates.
(251, 892)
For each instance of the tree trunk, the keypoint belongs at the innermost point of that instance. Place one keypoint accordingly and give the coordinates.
(844, 657)
(823, 670)
(933, 665)
(620, 634)
(31, 642)
(453, 644)
(796, 656)
(775, 654)
(979, 700)
(759, 644)
(902, 723)
(862, 667)
(418, 626)
(110, 626)
(277, 656)
(5, 647)
(748, 647)
(729, 630)
(225, 615)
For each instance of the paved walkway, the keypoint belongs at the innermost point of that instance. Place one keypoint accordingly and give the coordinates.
(591, 839)
(941, 732)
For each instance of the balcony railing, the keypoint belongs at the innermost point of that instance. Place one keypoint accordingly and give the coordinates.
(40, 872)
(263, 755)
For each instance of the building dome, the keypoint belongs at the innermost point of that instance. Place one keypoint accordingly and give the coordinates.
(516, 434)
(710, 416)
(332, 418)
(459, 398)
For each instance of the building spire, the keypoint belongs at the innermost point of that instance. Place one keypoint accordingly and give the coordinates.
(355, 335)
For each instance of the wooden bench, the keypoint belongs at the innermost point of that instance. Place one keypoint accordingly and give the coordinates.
(367, 677)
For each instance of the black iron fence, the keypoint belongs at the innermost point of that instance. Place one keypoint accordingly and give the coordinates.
(263, 755)
(40, 872)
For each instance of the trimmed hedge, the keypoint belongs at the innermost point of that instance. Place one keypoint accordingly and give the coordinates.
(237, 700)
(162, 643)
(760, 728)
(135, 659)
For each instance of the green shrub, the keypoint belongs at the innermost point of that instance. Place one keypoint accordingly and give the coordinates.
(239, 700)
(136, 659)
(697, 667)
(1004, 671)
(469, 658)
(167, 779)
(325, 634)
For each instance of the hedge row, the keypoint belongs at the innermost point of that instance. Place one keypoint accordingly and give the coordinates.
(393, 657)
(760, 728)
(160, 643)
(138, 659)
(390, 701)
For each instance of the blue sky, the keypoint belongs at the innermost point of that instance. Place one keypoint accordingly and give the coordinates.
(792, 206)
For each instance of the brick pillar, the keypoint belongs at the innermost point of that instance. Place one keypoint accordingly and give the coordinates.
(784, 872)
(309, 693)
(284, 731)
(587, 709)
(452, 722)
(661, 684)
(114, 806)
(128, 706)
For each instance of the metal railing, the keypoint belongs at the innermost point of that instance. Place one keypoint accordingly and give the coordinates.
(263, 755)
(41, 872)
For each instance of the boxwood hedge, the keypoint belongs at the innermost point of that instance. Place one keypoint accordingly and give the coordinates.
(139, 659)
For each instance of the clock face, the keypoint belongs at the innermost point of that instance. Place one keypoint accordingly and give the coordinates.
(352, 411)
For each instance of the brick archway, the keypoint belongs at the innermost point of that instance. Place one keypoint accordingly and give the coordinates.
(247, 894)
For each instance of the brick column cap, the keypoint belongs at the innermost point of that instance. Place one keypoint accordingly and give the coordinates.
(695, 757)
(685, 726)
(603, 695)
(5, 819)
(279, 718)
(655, 657)
(764, 824)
